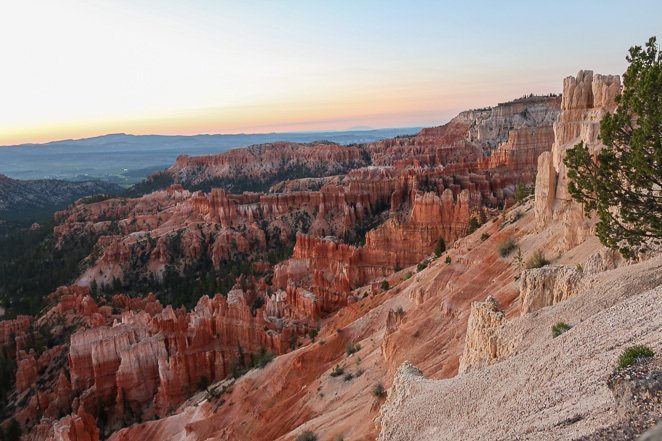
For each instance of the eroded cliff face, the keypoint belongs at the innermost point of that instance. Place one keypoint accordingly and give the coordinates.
(586, 99)
(171, 230)
(258, 166)
(147, 364)
(475, 134)
(135, 361)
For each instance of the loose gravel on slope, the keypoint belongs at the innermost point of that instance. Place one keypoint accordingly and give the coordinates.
(554, 388)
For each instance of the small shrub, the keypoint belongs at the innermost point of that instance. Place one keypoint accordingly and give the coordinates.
(337, 371)
(385, 286)
(560, 328)
(633, 355)
(579, 267)
(312, 334)
(422, 265)
(484, 236)
(308, 435)
(262, 358)
(473, 225)
(440, 247)
(448, 260)
(537, 260)
(520, 192)
(359, 372)
(351, 348)
(203, 383)
(378, 390)
(407, 276)
(348, 376)
(507, 246)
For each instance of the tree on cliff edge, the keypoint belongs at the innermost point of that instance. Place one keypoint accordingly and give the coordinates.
(623, 184)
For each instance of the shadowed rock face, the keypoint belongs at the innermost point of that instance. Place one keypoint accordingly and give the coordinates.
(134, 359)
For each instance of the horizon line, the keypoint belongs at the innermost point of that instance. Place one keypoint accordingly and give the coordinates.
(270, 132)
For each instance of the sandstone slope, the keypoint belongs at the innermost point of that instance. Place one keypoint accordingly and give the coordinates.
(553, 388)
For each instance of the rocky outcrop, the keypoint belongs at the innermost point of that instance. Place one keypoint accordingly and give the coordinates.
(150, 363)
(545, 189)
(80, 426)
(586, 99)
(522, 148)
(324, 270)
(481, 346)
(547, 286)
(27, 370)
(13, 331)
(404, 243)
(474, 134)
(258, 166)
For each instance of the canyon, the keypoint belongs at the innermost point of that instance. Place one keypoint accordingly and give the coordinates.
(346, 287)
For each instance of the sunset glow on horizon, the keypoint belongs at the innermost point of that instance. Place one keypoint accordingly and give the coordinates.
(74, 68)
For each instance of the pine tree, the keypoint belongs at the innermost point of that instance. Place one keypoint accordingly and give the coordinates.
(440, 247)
(624, 183)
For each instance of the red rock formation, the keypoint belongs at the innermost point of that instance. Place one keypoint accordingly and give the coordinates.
(471, 134)
(11, 331)
(80, 426)
(151, 362)
(404, 243)
(262, 163)
(27, 370)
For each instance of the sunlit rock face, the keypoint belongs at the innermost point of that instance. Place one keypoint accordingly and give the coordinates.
(586, 99)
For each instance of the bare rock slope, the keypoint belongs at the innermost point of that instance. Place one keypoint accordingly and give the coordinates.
(550, 388)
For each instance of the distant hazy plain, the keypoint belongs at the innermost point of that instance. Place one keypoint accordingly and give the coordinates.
(127, 159)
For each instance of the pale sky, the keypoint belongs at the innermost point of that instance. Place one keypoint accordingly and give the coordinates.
(78, 68)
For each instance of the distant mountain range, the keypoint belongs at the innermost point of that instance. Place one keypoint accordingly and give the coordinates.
(126, 159)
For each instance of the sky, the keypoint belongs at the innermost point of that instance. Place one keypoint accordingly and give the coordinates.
(79, 68)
